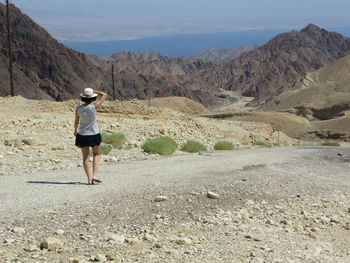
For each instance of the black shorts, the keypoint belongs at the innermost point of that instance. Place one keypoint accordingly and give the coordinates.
(88, 140)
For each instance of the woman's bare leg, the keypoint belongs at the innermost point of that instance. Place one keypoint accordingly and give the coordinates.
(96, 153)
(86, 163)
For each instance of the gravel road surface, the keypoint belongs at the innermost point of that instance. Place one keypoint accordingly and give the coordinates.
(282, 204)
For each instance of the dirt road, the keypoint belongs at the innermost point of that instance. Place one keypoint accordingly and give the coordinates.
(283, 204)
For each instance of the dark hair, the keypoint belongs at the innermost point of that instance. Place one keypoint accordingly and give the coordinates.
(88, 100)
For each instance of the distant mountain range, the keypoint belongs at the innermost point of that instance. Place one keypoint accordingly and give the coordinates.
(46, 69)
(220, 55)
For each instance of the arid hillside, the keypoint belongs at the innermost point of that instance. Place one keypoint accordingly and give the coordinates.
(276, 65)
(46, 69)
(321, 95)
(38, 133)
(43, 68)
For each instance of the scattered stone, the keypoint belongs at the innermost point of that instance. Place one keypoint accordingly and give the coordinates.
(270, 222)
(285, 222)
(213, 195)
(100, 258)
(325, 219)
(335, 219)
(132, 241)
(161, 198)
(30, 142)
(51, 243)
(60, 232)
(183, 241)
(18, 230)
(32, 248)
(149, 238)
(9, 241)
(347, 226)
(13, 143)
(117, 238)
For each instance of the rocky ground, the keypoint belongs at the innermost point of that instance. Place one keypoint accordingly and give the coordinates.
(277, 204)
(38, 135)
(284, 204)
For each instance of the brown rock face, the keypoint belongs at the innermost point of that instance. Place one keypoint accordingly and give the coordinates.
(272, 68)
(44, 68)
(140, 75)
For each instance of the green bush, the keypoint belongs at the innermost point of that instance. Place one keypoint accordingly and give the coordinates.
(163, 146)
(105, 149)
(259, 143)
(193, 147)
(115, 139)
(330, 144)
(224, 145)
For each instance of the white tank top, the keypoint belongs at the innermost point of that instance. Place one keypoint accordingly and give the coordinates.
(87, 116)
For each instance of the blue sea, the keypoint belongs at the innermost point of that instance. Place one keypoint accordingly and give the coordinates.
(183, 44)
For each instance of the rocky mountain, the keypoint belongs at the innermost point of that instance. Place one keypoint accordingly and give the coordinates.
(276, 65)
(321, 95)
(157, 75)
(217, 56)
(46, 69)
(43, 68)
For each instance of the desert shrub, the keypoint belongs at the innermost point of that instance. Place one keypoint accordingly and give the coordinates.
(259, 143)
(223, 145)
(193, 147)
(105, 149)
(330, 144)
(115, 139)
(162, 145)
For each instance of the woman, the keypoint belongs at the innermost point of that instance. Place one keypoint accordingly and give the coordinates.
(89, 134)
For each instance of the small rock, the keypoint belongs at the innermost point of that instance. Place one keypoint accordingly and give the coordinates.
(32, 248)
(213, 195)
(30, 142)
(270, 222)
(161, 198)
(9, 241)
(335, 219)
(110, 257)
(285, 222)
(100, 258)
(18, 230)
(347, 226)
(149, 238)
(60, 232)
(51, 243)
(132, 241)
(183, 241)
(340, 154)
(325, 219)
(115, 237)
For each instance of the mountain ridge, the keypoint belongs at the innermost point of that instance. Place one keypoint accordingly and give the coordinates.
(273, 67)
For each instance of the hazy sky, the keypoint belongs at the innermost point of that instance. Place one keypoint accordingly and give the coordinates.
(81, 20)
